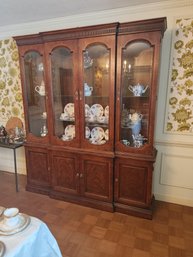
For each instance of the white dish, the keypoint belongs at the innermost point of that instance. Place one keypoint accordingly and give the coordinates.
(87, 110)
(69, 109)
(97, 134)
(6, 229)
(107, 134)
(107, 111)
(97, 110)
(102, 142)
(70, 131)
(87, 132)
(2, 249)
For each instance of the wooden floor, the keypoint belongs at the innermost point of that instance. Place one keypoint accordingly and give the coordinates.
(86, 232)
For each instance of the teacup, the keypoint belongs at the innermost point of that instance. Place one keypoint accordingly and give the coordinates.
(64, 116)
(11, 216)
(66, 138)
(101, 119)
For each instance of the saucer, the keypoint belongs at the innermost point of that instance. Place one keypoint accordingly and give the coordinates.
(2, 249)
(23, 222)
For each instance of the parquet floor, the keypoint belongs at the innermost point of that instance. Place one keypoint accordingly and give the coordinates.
(86, 232)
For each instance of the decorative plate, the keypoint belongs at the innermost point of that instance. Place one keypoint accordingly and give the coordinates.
(87, 132)
(70, 131)
(87, 110)
(107, 111)
(2, 249)
(97, 110)
(107, 134)
(102, 142)
(97, 134)
(6, 230)
(69, 109)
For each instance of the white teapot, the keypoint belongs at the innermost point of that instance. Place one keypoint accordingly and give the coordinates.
(136, 117)
(138, 89)
(87, 89)
(41, 89)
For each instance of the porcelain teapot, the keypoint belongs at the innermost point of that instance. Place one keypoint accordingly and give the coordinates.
(87, 89)
(41, 89)
(138, 140)
(138, 89)
(136, 117)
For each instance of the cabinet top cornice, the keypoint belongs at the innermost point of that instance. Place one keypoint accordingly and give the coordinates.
(157, 24)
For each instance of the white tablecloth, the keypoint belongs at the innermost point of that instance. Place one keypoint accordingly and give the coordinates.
(36, 240)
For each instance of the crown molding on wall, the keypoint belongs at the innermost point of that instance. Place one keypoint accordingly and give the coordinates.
(122, 14)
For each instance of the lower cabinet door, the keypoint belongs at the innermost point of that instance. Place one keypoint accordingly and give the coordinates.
(96, 178)
(65, 174)
(38, 174)
(133, 186)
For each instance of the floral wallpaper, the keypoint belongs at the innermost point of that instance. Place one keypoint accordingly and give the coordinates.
(11, 104)
(180, 105)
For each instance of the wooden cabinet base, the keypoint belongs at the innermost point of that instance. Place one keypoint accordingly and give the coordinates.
(38, 189)
(105, 206)
(135, 211)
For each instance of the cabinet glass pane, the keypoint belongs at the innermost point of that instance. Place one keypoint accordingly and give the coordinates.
(96, 59)
(62, 88)
(135, 93)
(35, 90)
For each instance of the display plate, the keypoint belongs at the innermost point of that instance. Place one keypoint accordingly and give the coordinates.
(97, 134)
(69, 109)
(107, 134)
(87, 132)
(107, 111)
(97, 110)
(70, 131)
(87, 110)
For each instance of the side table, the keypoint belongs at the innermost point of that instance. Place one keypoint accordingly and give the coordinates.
(13, 147)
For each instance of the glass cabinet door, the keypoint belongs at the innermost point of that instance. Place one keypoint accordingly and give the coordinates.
(63, 94)
(135, 88)
(96, 88)
(35, 94)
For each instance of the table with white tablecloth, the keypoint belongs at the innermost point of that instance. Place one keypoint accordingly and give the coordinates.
(36, 240)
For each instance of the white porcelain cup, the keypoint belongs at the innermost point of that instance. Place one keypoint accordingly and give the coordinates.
(11, 216)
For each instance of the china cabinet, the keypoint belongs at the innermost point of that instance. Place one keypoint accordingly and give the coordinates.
(89, 100)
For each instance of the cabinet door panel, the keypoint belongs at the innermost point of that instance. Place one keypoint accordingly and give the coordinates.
(38, 175)
(62, 59)
(133, 183)
(97, 92)
(34, 92)
(64, 175)
(96, 178)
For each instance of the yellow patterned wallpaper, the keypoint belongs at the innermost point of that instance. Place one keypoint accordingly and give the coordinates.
(180, 104)
(11, 104)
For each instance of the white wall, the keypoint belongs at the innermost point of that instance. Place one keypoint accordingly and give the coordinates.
(173, 173)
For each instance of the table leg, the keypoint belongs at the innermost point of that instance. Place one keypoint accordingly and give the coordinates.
(15, 166)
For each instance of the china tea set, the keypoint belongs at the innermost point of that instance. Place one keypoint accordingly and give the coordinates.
(138, 90)
(41, 89)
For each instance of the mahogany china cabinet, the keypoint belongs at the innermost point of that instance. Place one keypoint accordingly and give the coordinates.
(89, 100)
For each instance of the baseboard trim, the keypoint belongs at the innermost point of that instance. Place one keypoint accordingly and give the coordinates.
(172, 199)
